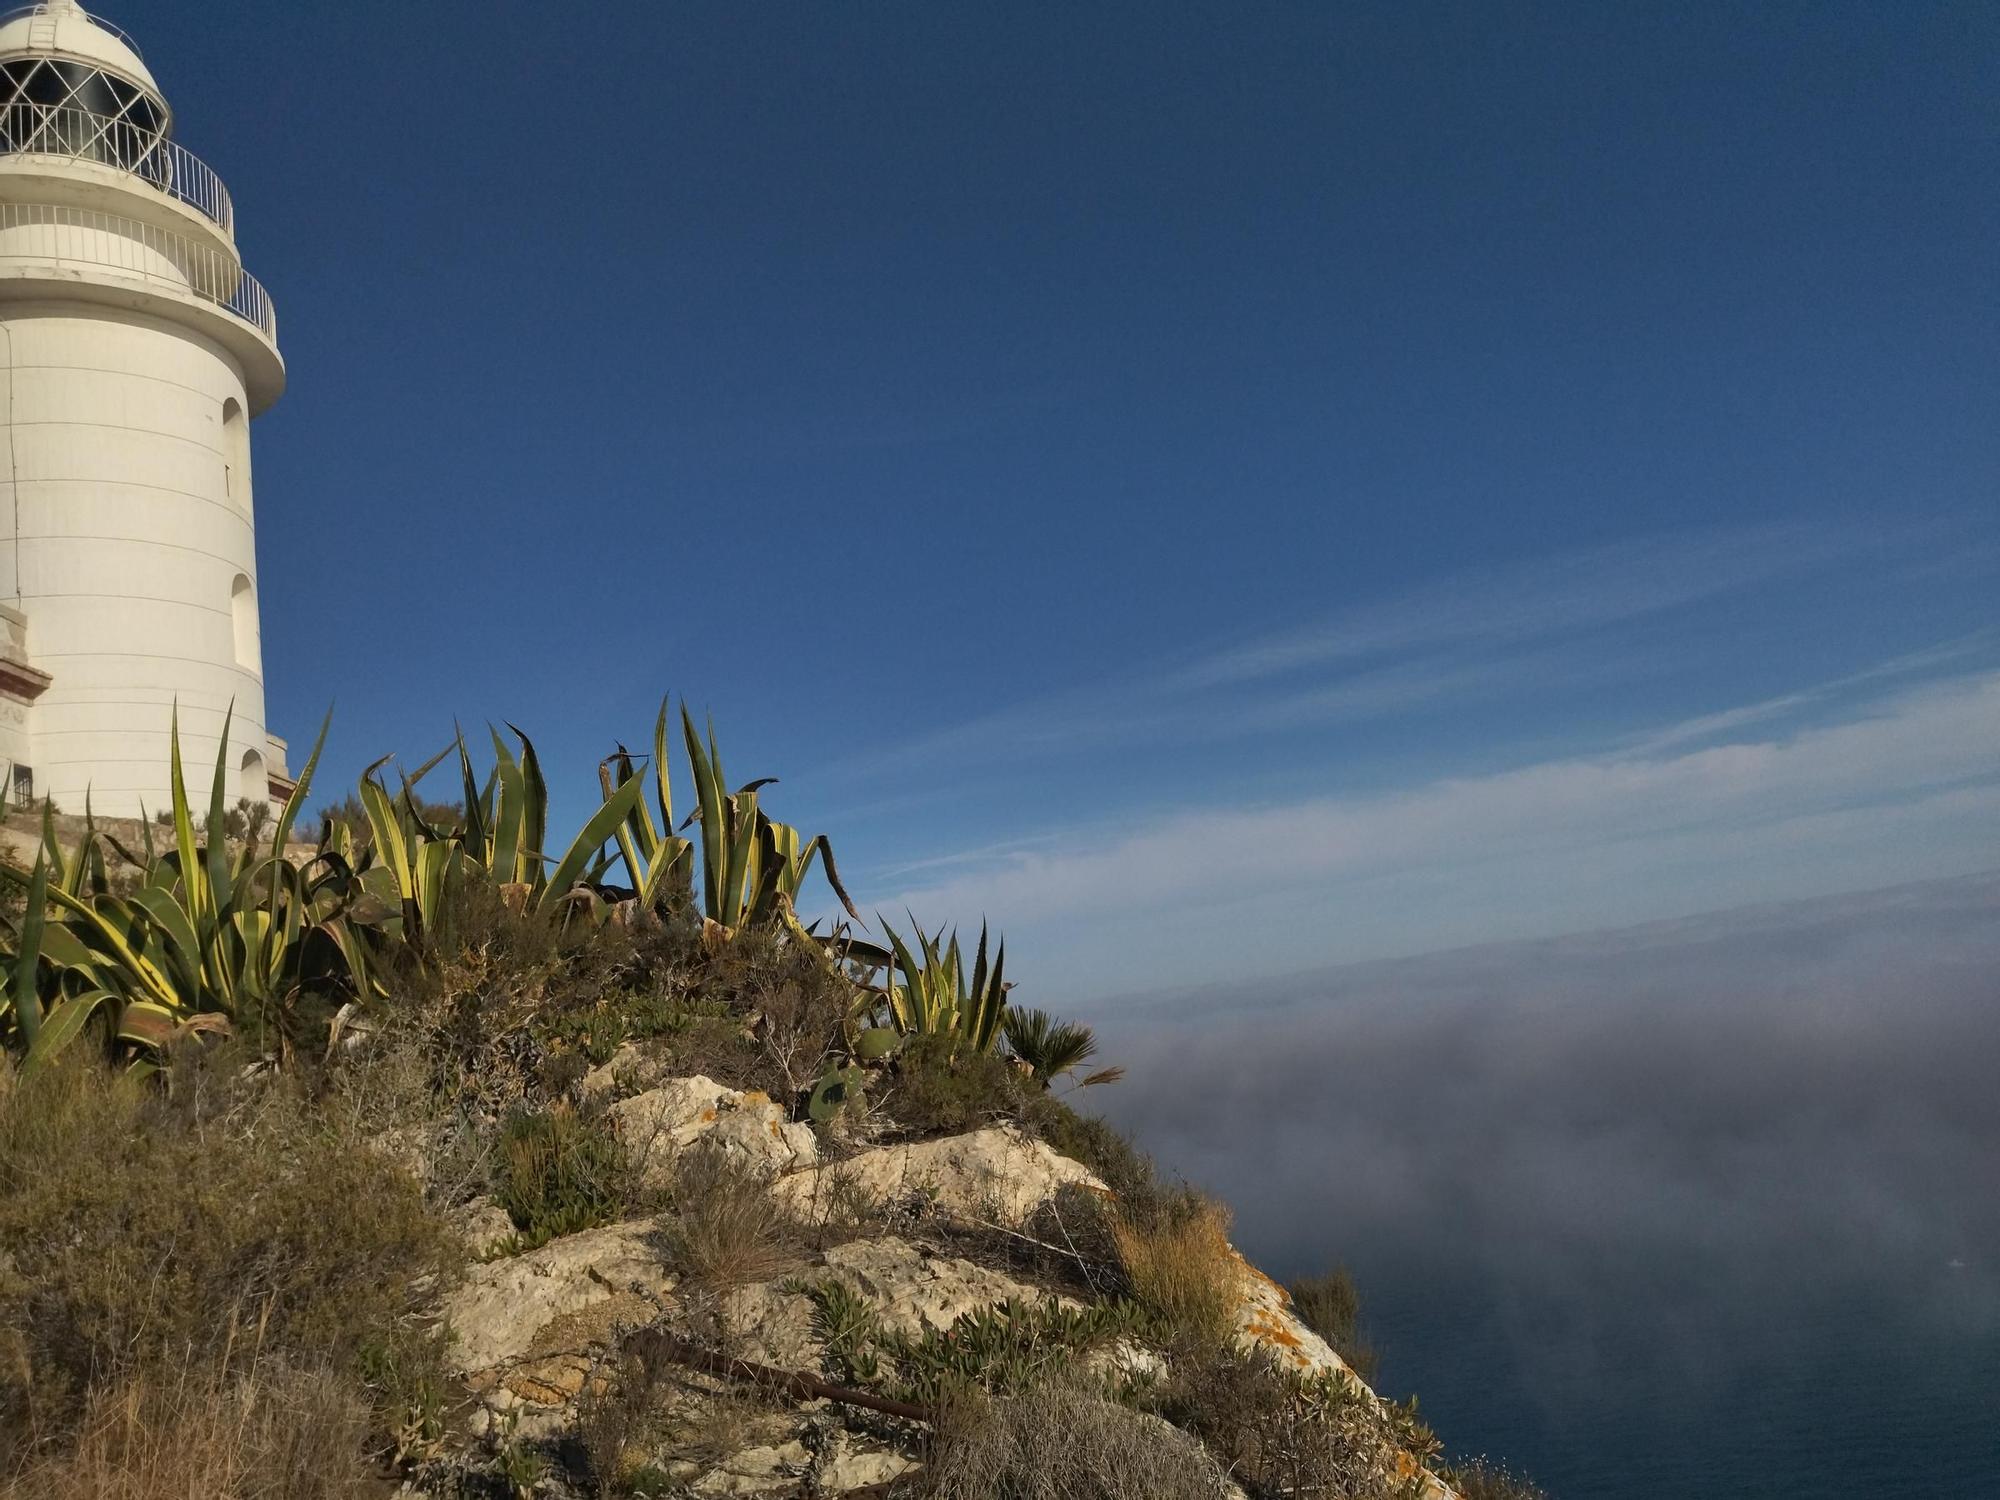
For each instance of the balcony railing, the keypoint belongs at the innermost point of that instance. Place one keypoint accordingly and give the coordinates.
(79, 135)
(41, 232)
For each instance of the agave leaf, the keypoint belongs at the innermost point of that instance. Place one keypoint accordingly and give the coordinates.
(663, 782)
(184, 840)
(708, 810)
(390, 845)
(608, 818)
(474, 834)
(117, 945)
(24, 991)
(535, 807)
(66, 1020)
(218, 812)
(509, 812)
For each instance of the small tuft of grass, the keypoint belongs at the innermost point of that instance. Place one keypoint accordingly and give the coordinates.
(1176, 1258)
(1331, 1308)
(1482, 1479)
(725, 1229)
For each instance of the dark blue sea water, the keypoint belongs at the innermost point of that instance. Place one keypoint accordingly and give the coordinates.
(1709, 1208)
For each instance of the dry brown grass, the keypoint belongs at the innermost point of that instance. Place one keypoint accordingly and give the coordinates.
(1063, 1441)
(139, 1227)
(269, 1433)
(1176, 1258)
(725, 1229)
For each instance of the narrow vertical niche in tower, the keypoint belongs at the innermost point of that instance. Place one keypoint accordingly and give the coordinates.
(251, 781)
(236, 454)
(243, 615)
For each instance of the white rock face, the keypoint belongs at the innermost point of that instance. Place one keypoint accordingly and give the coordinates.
(912, 1290)
(505, 1307)
(660, 1124)
(482, 1224)
(1264, 1320)
(758, 1471)
(997, 1175)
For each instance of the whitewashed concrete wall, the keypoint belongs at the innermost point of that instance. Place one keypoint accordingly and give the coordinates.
(129, 545)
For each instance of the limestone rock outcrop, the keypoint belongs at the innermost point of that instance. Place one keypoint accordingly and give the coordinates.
(536, 1335)
(997, 1175)
(660, 1124)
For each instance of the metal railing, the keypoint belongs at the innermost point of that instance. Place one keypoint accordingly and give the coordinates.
(80, 135)
(81, 236)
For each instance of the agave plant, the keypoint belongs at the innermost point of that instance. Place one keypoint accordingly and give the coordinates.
(1049, 1048)
(934, 997)
(752, 868)
(204, 938)
(414, 865)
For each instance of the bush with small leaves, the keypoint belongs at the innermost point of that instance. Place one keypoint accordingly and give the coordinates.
(1331, 1308)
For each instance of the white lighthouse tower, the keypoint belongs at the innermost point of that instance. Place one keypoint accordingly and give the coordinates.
(134, 350)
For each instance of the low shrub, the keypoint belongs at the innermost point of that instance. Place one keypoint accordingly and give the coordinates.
(1310, 1437)
(1484, 1480)
(559, 1172)
(140, 1224)
(1331, 1308)
(937, 1091)
(644, 1415)
(1095, 1142)
(795, 1006)
(1061, 1439)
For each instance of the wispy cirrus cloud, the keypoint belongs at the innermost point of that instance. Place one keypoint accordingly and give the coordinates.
(1900, 785)
(1562, 594)
(1478, 635)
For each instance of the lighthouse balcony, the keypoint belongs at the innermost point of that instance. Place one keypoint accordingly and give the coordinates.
(137, 147)
(68, 241)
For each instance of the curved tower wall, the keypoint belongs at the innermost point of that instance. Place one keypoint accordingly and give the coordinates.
(133, 351)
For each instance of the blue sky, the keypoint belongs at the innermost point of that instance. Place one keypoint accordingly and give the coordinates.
(1210, 487)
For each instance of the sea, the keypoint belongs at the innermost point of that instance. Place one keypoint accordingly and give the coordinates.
(1706, 1208)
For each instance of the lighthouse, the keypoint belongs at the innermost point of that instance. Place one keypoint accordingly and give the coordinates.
(134, 352)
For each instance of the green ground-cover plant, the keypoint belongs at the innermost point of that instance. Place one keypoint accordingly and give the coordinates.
(1008, 1347)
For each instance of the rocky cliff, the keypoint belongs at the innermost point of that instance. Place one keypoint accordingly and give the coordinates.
(790, 1368)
